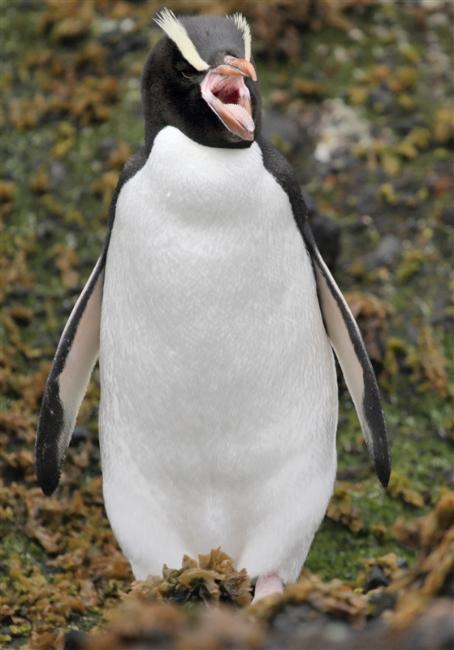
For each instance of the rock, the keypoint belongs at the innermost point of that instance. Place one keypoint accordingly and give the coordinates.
(340, 128)
(283, 126)
(45, 231)
(404, 125)
(449, 477)
(382, 601)
(80, 435)
(382, 99)
(387, 253)
(328, 237)
(376, 578)
(292, 616)
(327, 233)
(119, 43)
(57, 172)
(75, 640)
(433, 629)
(448, 216)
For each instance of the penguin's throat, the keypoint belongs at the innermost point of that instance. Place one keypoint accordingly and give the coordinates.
(229, 98)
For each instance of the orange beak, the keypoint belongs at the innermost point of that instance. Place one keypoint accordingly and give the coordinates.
(227, 95)
(237, 67)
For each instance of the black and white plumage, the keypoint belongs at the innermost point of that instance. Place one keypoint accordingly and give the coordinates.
(213, 314)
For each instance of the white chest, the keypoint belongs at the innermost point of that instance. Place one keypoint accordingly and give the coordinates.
(211, 329)
(203, 233)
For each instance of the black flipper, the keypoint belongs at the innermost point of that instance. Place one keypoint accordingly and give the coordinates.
(73, 363)
(340, 324)
(354, 361)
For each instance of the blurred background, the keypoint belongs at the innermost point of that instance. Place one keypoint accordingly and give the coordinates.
(358, 94)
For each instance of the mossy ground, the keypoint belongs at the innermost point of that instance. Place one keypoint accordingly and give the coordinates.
(65, 136)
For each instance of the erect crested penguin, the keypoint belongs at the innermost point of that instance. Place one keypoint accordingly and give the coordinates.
(214, 317)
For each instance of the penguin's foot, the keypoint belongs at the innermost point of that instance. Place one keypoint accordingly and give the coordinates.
(267, 585)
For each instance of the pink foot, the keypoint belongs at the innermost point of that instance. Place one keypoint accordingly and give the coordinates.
(267, 585)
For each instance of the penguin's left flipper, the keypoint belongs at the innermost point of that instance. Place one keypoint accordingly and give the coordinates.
(340, 324)
(72, 366)
(354, 361)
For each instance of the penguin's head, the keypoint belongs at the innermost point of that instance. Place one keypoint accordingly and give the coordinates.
(200, 79)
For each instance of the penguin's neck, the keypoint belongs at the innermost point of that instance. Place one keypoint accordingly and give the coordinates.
(184, 173)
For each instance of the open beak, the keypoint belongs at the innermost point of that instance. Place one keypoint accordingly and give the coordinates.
(225, 92)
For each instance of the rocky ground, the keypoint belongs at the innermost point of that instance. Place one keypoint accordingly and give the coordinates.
(358, 94)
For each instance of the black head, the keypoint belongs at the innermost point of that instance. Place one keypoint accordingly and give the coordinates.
(199, 78)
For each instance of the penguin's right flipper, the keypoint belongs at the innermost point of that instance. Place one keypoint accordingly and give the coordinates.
(72, 366)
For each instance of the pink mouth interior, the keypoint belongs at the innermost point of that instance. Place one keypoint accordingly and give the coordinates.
(227, 94)
(229, 98)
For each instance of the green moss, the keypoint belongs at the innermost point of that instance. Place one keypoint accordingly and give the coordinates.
(338, 553)
(14, 542)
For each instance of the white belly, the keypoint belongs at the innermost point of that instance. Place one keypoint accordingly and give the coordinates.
(218, 389)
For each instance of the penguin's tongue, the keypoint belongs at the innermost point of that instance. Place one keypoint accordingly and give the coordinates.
(229, 98)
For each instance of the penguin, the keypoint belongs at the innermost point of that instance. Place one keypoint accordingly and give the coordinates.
(215, 319)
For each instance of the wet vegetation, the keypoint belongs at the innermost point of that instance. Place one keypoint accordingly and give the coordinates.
(358, 94)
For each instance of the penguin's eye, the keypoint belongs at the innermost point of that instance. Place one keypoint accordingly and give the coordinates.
(186, 70)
